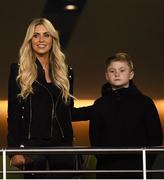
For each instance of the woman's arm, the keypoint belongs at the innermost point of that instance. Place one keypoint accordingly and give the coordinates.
(13, 108)
(82, 113)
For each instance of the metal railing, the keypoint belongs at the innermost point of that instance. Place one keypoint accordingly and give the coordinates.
(82, 151)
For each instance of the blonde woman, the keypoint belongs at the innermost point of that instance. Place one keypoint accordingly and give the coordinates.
(39, 100)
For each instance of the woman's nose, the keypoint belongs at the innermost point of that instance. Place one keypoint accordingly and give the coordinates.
(41, 38)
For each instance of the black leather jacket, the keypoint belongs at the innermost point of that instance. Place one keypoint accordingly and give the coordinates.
(42, 115)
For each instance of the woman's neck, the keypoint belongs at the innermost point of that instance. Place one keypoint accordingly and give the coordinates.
(44, 61)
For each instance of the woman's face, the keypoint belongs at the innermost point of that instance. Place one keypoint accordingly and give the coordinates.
(41, 41)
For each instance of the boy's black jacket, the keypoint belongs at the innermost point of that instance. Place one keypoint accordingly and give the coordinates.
(125, 118)
(122, 118)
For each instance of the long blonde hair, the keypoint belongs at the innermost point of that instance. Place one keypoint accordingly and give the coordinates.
(27, 73)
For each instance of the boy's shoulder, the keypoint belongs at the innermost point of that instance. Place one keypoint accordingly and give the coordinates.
(101, 100)
(145, 100)
(138, 94)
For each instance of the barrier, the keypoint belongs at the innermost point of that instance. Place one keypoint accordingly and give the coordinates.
(82, 151)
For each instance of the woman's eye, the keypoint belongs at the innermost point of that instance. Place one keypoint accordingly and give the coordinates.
(35, 35)
(47, 35)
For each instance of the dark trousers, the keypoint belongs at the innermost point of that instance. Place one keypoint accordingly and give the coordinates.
(121, 162)
(49, 161)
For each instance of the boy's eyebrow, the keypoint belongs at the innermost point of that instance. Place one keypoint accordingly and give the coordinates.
(109, 69)
(115, 68)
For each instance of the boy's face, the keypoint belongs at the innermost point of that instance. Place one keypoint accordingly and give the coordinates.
(118, 74)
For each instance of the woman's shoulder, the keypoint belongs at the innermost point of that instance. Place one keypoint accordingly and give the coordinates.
(14, 68)
(14, 65)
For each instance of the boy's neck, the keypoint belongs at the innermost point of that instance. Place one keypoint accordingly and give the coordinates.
(120, 87)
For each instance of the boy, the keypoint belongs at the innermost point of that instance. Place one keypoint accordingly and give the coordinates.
(123, 117)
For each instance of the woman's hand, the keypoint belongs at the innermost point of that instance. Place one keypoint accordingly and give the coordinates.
(17, 160)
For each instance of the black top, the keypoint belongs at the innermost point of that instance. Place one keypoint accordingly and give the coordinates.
(43, 115)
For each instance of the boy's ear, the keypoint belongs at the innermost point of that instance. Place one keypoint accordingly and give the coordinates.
(131, 75)
(106, 76)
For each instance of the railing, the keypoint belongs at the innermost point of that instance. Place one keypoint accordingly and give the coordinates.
(83, 151)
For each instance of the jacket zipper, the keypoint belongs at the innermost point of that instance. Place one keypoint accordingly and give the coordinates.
(54, 114)
(29, 130)
(61, 130)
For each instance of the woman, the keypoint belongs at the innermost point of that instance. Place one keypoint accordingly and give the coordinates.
(39, 100)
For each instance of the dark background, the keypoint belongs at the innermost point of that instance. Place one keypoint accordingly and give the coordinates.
(96, 30)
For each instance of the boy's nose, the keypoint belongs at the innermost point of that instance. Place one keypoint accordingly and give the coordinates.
(117, 74)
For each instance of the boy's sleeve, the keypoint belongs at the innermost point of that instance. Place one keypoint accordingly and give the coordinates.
(95, 128)
(154, 129)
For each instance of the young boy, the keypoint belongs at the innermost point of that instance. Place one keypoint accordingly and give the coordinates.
(122, 118)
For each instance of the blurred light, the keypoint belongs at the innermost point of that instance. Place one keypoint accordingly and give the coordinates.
(70, 7)
(81, 128)
(3, 123)
(3, 110)
(80, 103)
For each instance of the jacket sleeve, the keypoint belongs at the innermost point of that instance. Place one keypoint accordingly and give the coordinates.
(96, 126)
(82, 113)
(153, 124)
(13, 109)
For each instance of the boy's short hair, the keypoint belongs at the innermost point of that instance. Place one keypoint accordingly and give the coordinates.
(120, 56)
